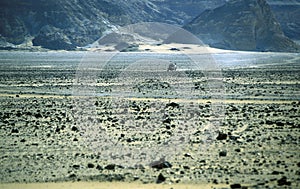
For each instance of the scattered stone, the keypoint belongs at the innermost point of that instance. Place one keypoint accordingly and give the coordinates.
(72, 176)
(99, 168)
(238, 150)
(130, 140)
(174, 49)
(223, 153)
(110, 167)
(90, 165)
(222, 136)
(23, 140)
(188, 155)
(276, 173)
(161, 164)
(279, 123)
(186, 167)
(75, 129)
(167, 121)
(14, 131)
(19, 114)
(233, 137)
(76, 166)
(38, 115)
(160, 179)
(173, 105)
(235, 186)
(283, 181)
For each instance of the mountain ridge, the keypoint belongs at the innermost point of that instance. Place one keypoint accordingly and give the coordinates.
(76, 23)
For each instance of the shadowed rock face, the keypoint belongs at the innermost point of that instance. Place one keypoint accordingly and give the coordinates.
(242, 25)
(288, 17)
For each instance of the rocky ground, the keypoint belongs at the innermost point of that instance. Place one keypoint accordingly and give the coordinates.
(248, 138)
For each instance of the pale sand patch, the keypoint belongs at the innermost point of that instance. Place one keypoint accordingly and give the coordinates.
(187, 49)
(167, 48)
(107, 185)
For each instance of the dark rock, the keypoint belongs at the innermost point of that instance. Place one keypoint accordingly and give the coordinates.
(167, 121)
(279, 123)
(161, 164)
(222, 136)
(23, 140)
(242, 25)
(298, 164)
(14, 131)
(173, 105)
(276, 173)
(76, 166)
(186, 167)
(38, 115)
(160, 179)
(238, 150)
(130, 140)
(110, 167)
(233, 137)
(235, 186)
(19, 114)
(72, 176)
(269, 122)
(174, 49)
(188, 155)
(90, 165)
(223, 153)
(75, 129)
(283, 181)
(99, 168)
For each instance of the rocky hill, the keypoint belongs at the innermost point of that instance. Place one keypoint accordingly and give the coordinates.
(242, 25)
(66, 24)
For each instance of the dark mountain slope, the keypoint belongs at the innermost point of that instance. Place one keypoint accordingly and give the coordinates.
(242, 25)
(288, 15)
(69, 23)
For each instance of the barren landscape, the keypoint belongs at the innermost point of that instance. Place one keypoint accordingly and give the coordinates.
(234, 126)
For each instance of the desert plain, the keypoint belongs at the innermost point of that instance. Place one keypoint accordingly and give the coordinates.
(63, 125)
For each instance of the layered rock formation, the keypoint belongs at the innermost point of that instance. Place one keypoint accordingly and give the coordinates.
(242, 25)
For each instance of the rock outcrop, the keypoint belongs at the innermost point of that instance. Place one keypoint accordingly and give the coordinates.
(242, 25)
